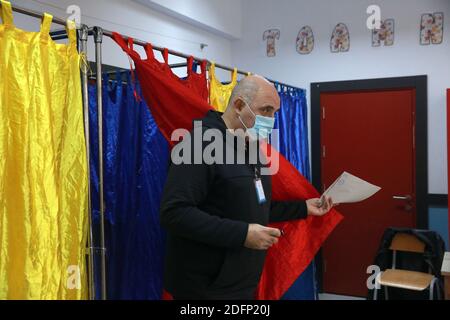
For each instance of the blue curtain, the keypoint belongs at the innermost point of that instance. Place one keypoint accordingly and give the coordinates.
(136, 156)
(292, 123)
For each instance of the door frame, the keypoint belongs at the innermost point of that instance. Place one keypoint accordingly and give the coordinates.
(420, 84)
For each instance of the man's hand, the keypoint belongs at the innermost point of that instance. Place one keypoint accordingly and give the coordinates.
(314, 208)
(261, 238)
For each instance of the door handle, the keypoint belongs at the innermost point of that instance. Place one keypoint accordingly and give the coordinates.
(408, 198)
(404, 198)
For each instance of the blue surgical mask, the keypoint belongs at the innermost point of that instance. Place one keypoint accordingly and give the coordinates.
(263, 125)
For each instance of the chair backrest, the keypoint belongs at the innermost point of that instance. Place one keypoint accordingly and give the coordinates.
(407, 242)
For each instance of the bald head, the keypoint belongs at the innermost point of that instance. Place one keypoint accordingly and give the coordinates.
(249, 87)
(252, 92)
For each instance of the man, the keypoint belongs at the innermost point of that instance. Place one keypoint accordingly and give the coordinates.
(216, 214)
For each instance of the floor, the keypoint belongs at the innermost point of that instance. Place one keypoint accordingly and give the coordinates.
(327, 296)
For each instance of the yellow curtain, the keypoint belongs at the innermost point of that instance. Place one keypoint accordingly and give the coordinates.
(220, 94)
(43, 169)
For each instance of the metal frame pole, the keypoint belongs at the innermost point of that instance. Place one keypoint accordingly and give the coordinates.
(38, 15)
(83, 39)
(137, 42)
(108, 33)
(98, 38)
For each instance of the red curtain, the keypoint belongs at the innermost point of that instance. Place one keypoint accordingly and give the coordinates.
(175, 104)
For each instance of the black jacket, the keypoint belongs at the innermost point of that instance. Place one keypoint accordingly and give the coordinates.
(206, 210)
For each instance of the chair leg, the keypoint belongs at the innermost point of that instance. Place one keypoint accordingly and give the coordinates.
(386, 295)
(432, 285)
(438, 290)
(375, 290)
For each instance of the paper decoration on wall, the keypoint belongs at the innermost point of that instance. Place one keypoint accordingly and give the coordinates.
(385, 34)
(270, 36)
(432, 28)
(340, 39)
(305, 40)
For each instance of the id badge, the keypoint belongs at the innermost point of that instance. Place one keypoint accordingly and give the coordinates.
(260, 191)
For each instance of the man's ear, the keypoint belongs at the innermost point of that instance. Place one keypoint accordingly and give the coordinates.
(238, 105)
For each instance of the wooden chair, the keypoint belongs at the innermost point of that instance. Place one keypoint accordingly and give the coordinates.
(445, 271)
(405, 279)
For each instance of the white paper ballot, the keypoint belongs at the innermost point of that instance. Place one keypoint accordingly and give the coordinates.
(350, 189)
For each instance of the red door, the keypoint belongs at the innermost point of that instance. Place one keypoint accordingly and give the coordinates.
(369, 134)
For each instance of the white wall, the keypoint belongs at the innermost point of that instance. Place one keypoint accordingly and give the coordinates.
(134, 19)
(405, 58)
(218, 16)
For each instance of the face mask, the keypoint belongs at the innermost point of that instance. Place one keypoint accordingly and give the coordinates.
(263, 125)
